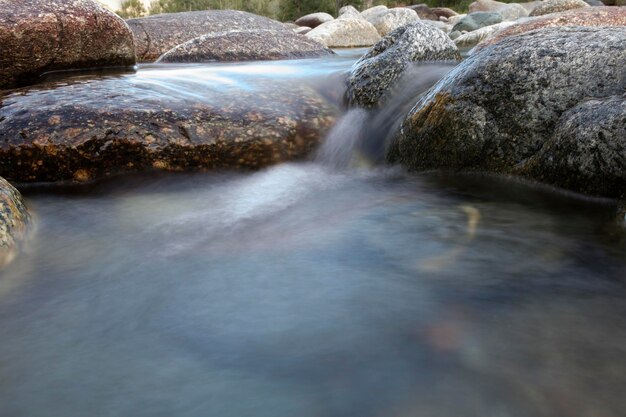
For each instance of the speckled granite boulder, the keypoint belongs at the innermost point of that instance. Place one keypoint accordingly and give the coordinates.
(246, 46)
(38, 36)
(313, 20)
(509, 11)
(470, 39)
(14, 221)
(588, 16)
(87, 129)
(477, 20)
(500, 107)
(348, 12)
(392, 19)
(378, 70)
(555, 6)
(345, 33)
(155, 35)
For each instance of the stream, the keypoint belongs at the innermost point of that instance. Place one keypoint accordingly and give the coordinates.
(332, 287)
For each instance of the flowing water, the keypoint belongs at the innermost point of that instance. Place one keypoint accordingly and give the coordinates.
(332, 287)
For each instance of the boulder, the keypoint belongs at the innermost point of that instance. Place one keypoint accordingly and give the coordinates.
(392, 19)
(313, 20)
(444, 12)
(345, 33)
(439, 25)
(14, 221)
(453, 20)
(499, 108)
(303, 30)
(39, 36)
(555, 6)
(424, 12)
(83, 130)
(587, 151)
(372, 11)
(477, 20)
(471, 39)
(348, 12)
(246, 45)
(588, 16)
(155, 35)
(376, 72)
(509, 11)
(531, 5)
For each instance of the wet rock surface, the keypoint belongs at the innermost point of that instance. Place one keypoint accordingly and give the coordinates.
(498, 108)
(14, 221)
(88, 129)
(378, 70)
(155, 35)
(246, 46)
(345, 33)
(39, 36)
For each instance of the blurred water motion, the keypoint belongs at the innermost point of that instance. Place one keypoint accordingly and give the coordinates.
(315, 289)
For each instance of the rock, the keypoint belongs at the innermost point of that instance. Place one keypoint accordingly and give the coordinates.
(594, 2)
(471, 39)
(348, 12)
(39, 36)
(588, 16)
(377, 71)
(444, 12)
(477, 20)
(83, 130)
(373, 11)
(424, 12)
(509, 11)
(246, 46)
(555, 6)
(14, 221)
(291, 25)
(531, 5)
(453, 20)
(498, 108)
(454, 35)
(303, 30)
(155, 35)
(313, 20)
(392, 19)
(439, 25)
(345, 33)
(587, 151)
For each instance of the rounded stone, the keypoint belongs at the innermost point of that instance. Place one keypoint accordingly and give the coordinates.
(345, 33)
(392, 19)
(555, 6)
(313, 20)
(477, 20)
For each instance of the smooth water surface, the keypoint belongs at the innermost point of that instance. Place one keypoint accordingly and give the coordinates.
(321, 288)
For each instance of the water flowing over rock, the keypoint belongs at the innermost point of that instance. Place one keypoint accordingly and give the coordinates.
(246, 46)
(588, 16)
(470, 39)
(477, 20)
(14, 220)
(38, 36)
(155, 35)
(500, 107)
(509, 11)
(376, 72)
(392, 19)
(84, 130)
(345, 33)
(555, 6)
(313, 20)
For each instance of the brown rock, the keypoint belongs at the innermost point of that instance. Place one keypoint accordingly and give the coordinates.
(14, 220)
(87, 129)
(424, 12)
(38, 36)
(246, 46)
(588, 16)
(313, 20)
(444, 12)
(155, 35)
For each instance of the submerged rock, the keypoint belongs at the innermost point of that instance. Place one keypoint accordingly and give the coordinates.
(477, 20)
(40, 36)
(589, 16)
(84, 130)
(155, 35)
(14, 221)
(501, 106)
(555, 6)
(391, 19)
(345, 33)
(383, 65)
(313, 20)
(246, 46)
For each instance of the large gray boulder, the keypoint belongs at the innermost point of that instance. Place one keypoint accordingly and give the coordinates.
(501, 106)
(377, 71)
(83, 130)
(246, 45)
(391, 19)
(477, 20)
(509, 11)
(313, 20)
(555, 6)
(39, 36)
(373, 11)
(345, 33)
(14, 221)
(155, 35)
(348, 12)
